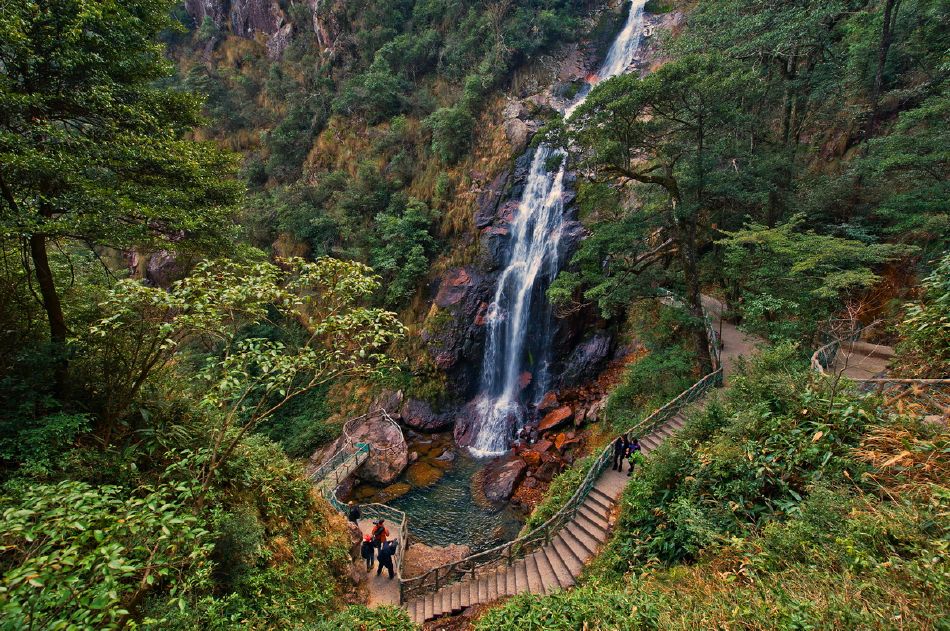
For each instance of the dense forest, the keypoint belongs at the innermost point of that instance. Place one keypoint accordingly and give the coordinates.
(224, 233)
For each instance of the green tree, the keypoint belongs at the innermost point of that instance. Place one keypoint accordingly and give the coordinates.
(789, 279)
(81, 557)
(451, 129)
(673, 131)
(92, 151)
(246, 379)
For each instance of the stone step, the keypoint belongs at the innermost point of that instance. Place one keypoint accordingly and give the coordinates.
(535, 585)
(561, 571)
(456, 597)
(595, 534)
(677, 421)
(566, 554)
(521, 576)
(481, 591)
(587, 544)
(511, 585)
(443, 602)
(597, 497)
(597, 519)
(412, 611)
(548, 577)
(466, 596)
(602, 498)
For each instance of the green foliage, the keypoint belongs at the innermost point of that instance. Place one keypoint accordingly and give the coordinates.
(925, 329)
(405, 245)
(790, 279)
(562, 488)
(77, 556)
(451, 129)
(571, 610)
(361, 618)
(776, 507)
(741, 463)
(300, 426)
(91, 148)
(664, 372)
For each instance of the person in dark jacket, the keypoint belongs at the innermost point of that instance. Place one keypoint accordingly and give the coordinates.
(385, 556)
(620, 450)
(634, 455)
(367, 551)
(354, 513)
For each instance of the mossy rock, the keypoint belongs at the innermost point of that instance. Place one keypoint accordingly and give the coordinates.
(423, 474)
(393, 491)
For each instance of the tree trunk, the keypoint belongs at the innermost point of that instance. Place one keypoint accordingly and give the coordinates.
(694, 302)
(52, 305)
(887, 37)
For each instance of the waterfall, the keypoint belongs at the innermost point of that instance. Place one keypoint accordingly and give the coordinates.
(532, 264)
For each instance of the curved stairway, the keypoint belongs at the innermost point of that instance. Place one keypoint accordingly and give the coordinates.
(555, 566)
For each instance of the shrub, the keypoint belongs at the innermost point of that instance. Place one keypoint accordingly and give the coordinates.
(451, 129)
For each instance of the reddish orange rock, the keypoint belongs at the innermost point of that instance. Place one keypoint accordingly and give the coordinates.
(555, 418)
(548, 402)
(533, 458)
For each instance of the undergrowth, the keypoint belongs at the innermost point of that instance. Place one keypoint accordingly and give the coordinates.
(779, 506)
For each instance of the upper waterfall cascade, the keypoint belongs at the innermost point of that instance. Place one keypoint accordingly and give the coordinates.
(519, 319)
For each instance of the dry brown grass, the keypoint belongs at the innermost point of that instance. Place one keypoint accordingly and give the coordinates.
(907, 461)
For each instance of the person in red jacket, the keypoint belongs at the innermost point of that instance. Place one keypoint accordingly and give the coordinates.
(380, 533)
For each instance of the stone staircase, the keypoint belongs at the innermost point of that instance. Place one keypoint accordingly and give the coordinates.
(556, 565)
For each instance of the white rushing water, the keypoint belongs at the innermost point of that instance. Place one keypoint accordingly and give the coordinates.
(533, 262)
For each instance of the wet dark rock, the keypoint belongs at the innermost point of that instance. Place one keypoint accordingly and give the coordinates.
(548, 469)
(500, 478)
(246, 18)
(488, 200)
(548, 402)
(419, 415)
(163, 268)
(389, 400)
(454, 334)
(494, 244)
(586, 360)
(571, 236)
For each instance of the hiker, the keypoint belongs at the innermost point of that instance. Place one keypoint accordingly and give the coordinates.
(620, 450)
(634, 456)
(367, 551)
(379, 535)
(354, 513)
(385, 556)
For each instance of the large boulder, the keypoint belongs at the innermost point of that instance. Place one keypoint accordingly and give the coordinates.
(454, 330)
(501, 477)
(419, 416)
(587, 360)
(555, 417)
(389, 452)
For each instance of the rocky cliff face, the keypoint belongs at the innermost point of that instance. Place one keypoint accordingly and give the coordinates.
(250, 18)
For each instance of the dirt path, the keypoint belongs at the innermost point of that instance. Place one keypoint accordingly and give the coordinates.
(382, 590)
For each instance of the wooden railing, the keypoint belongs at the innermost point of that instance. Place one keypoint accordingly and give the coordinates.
(478, 564)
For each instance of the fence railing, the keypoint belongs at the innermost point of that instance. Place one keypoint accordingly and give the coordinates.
(506, 553)
(352, 453)
(929, 396)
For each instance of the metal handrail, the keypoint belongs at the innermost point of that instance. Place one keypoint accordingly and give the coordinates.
(472, 565)
(328, 479)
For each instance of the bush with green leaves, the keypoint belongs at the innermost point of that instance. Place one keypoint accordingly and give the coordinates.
(562, 488)
(451, 129)
(78, 556)
(925, 329)
(362, 618)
